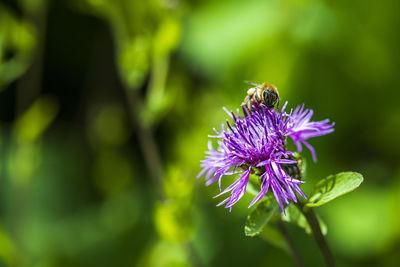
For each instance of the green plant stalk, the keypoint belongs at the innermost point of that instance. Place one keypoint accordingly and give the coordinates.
(312, 220)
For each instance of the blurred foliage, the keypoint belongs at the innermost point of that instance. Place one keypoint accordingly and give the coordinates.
(17, 41)
(145, 33)
(173, 216)
(88, 87)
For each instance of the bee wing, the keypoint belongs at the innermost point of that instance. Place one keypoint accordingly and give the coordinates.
(252, 83)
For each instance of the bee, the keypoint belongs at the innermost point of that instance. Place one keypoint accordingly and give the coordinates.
(264, 93)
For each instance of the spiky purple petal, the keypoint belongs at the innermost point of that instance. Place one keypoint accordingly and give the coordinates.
(300, 128)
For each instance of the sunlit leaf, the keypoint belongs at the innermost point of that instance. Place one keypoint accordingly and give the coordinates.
(259, 217)
(334, 186)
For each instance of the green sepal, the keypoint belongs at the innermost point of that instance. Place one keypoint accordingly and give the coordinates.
(334, 186)
(253, 186)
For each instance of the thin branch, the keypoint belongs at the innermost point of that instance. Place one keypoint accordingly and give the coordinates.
(146, 140)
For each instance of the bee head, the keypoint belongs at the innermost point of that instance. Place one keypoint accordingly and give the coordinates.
(271, 97)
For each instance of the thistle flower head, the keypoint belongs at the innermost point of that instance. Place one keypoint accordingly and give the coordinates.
(257, 140)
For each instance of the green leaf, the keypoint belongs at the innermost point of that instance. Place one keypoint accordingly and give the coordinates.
(259, 217)
(293, 215)
(334, 186)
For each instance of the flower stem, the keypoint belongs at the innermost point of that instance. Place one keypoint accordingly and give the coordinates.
(316, 231)
(293, 251)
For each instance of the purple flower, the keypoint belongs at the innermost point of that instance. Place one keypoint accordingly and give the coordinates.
(258, 141)
(300, 128)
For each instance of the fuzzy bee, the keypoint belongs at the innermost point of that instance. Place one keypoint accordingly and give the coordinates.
(264, 93)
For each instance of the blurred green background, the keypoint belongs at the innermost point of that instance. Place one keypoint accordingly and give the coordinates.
(105, 108)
